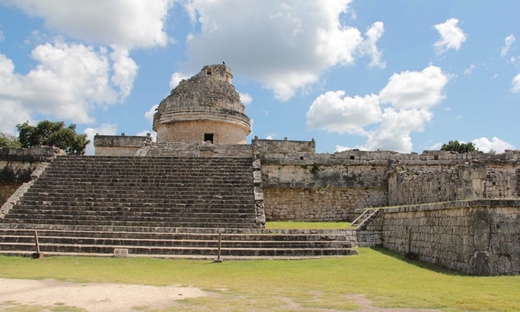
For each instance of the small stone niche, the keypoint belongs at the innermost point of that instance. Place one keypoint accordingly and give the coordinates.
(208, 137)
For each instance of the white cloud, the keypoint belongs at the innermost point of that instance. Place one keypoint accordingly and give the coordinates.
(271, 34)
(509, 41)
(125, 23)
(469, 70)
(452, 36)
(415, 89)
(497, 145)
(11, 114)
(335, 112)
(369, 46)
(106, 129)
(2, 37)
(395, 128)
(176, 78)
(69, 82)
(412, 94)
(245, 98)
(516, 84)
(125, 71)
(149, 114)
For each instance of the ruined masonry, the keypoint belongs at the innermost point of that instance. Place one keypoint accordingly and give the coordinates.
(172, 198)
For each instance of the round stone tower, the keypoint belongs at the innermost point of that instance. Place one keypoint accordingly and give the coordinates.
(205, 107)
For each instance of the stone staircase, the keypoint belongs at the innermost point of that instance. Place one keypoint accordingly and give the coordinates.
(363, 219)
(188, 243)
(141, 191)
(153, 206)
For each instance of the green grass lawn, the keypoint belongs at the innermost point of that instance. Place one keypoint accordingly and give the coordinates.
(270, 285)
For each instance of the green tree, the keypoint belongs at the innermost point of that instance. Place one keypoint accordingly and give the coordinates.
(458, 147)
(7, 140)
(53, 133)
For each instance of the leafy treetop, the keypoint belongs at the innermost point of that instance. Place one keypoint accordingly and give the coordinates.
(7, 140)
(53, 134)
(458, 147)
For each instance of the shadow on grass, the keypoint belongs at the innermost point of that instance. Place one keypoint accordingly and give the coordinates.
(418, 263)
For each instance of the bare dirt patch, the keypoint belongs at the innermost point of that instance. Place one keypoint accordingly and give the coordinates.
(93, 296)
(366, 305)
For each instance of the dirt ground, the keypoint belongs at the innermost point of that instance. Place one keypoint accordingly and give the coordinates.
(106, 297)
(92, 296)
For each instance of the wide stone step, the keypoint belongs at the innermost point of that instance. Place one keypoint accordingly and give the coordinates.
(114, 223)
(192, 234)
(187, 217)
(32, 199)
(217, 193)
(10, 241)
(132, 209)
(199, 217)
(261, 243)
(186, 252)
(113, 210)
(66, 184)
(123, 206)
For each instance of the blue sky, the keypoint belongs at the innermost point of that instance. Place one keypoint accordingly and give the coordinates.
(391, 75)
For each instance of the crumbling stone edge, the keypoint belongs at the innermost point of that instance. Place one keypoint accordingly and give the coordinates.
(15, 197)
(259, 194)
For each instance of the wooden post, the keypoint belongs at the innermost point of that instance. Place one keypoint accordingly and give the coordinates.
(219, 246)
(409, 240)
(410, 255)
(37, 254)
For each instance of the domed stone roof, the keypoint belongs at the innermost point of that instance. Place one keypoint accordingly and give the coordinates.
(208, 96)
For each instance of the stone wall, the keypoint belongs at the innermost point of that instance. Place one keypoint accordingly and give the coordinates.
(302, 185)
(304, 191)
(17, 165)
(284, 146)
(192, 131)
(319, 203)
(6, 190)
(479, 237)
(199, 150)
(119, 145)
(411, 184)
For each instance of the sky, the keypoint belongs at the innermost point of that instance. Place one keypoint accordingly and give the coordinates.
(398, 75)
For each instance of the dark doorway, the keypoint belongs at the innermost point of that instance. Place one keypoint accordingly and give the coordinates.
(208, 137)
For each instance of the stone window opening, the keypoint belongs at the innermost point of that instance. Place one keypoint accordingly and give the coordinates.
(208, 72)
(208, 137)
(352, 157)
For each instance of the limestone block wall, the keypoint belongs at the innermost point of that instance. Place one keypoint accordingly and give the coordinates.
(17, 165)
(193, 132)
(412, 184)
(199, 150)
(419, 184)
(501, 180)
(6, 190)
(304, 190)
(119, 145)
(284, 146)
(479, 237)
(319, 203)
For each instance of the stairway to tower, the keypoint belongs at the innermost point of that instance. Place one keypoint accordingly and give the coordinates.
(141, 191)
(173, 207)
